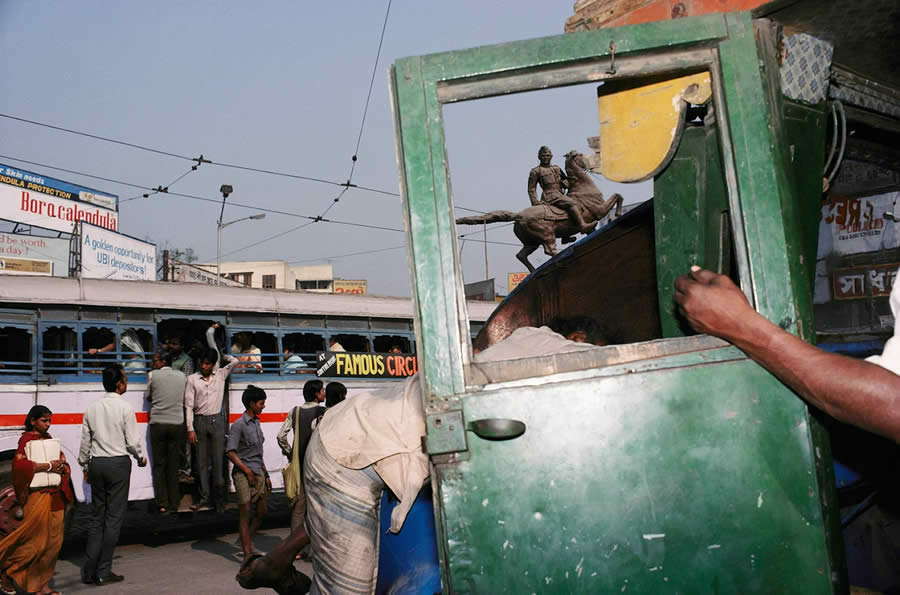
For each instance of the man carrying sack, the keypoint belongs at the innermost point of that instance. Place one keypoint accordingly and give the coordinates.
(300, 421)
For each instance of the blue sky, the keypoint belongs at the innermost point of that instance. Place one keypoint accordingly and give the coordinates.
(279, 86)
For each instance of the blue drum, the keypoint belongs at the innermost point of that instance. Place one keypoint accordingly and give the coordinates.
(408, 561)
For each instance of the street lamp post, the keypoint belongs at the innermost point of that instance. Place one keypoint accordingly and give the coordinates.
(226, 190)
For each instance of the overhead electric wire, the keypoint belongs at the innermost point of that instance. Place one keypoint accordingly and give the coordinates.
(206, 199)
(200, 159)
(369, 94)
(347, 255)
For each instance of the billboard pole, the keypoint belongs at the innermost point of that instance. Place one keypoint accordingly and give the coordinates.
(75, 251)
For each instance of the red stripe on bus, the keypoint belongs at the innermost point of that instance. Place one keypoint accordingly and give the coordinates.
(71, 419)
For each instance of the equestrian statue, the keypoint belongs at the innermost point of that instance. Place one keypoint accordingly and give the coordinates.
(558, 213)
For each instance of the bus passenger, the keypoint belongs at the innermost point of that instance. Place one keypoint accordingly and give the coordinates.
(165, 392)
(248, 355)
(108, 435)
(245, 450)
(203, 398)
(292, 363)
(181, 361)
(28, 554)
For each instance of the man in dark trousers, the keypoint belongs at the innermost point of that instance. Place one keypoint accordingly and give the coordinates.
(108, 435)
(305, 415)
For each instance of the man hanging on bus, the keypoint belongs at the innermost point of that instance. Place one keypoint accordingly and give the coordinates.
(203, 398)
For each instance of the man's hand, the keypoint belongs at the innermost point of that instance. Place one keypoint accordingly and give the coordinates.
(268, 484)
(86, 480)
(192, 437)
(251, 476)
(142, 462)
(711, 303)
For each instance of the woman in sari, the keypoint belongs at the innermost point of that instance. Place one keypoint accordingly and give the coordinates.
(28, 554)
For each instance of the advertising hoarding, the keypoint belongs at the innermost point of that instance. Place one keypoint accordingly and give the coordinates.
(26, 266)
(186, 273)
(349, 286)
(513, 280)
(32, 200)
(106, 254)
(875, 280)
(344, 364)
(33, 182)
(54, 250)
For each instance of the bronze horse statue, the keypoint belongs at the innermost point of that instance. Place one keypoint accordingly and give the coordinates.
(540, 225)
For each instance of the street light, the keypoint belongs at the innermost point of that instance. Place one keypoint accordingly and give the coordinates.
(226, 190)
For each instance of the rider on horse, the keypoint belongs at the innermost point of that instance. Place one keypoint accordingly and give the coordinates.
(553, 180)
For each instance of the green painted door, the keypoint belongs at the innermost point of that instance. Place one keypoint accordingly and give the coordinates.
(671, 466)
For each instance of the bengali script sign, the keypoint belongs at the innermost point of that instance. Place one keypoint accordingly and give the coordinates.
(350, 286)
(852, 224)
(864, 281)
(344, 364)
(513, 280)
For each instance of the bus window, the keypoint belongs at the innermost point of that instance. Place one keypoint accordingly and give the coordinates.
(15, 351)
(58, 350)
(256, 350)
(391, 344)
(358, 343)
(136, 348)
(303, 346)
(99, 346)
(191, 331)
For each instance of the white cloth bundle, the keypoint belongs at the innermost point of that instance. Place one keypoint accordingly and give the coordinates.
(43, 451)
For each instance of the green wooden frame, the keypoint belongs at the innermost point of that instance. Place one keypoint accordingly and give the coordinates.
(724, 44)
(746, 99)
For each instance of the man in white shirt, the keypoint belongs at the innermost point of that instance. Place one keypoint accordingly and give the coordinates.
(203, 396)
(108, 435)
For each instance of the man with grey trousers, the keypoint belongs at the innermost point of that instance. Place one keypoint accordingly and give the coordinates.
(165, 392)
(108, 435)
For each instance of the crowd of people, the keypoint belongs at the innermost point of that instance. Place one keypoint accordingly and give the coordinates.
(349, 452)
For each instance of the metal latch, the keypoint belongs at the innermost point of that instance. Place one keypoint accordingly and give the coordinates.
(446, 433)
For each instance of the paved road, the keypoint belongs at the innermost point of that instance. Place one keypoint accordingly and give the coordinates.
(192, 554)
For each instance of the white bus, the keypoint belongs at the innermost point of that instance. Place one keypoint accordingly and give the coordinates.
(50, 327)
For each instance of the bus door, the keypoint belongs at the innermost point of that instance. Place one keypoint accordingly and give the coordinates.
(671, 463)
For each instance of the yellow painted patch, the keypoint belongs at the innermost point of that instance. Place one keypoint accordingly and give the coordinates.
(639, 128)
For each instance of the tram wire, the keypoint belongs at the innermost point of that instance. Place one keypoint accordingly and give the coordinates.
(206, 199)
(362, 125)
(187, 158)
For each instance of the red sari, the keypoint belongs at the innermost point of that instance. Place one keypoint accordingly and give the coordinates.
(28, 554)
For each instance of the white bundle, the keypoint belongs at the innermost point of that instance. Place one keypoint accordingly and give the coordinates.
(43, 451)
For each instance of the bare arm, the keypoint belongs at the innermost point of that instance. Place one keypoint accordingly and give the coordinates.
(232, 456)
(856, 392)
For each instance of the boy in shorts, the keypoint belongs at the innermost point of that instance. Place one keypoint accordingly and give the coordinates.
(245, 450)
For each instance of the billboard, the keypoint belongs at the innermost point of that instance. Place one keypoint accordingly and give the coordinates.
(106, 254)
(349, 286)
(25, 266)
(513, 280)
(187, 273)
(54, 250)
(874, 280)
(31, 199)
(344, 364)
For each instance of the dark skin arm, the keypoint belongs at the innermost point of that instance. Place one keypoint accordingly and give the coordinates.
(853, 391)
(232, 456)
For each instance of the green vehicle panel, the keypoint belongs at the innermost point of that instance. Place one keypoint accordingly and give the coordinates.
(673, 465)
